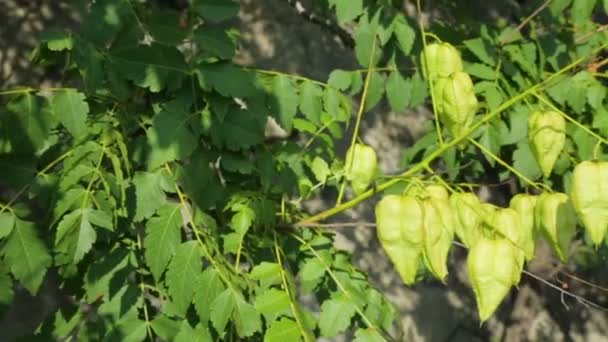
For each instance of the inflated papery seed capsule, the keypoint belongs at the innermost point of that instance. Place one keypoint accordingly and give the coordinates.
(440, 60)
(399, 222)
(363, 169)
(491, 265)
(590, 197)
(505, 222)
(525, 205)
(547, 136)
(556, 219)
(437, 239)
(458, 102)
(467, 217)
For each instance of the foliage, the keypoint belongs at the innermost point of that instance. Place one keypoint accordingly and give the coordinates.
(148, 183)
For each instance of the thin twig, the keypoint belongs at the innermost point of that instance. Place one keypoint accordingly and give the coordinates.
(525, 22)
(325, 23)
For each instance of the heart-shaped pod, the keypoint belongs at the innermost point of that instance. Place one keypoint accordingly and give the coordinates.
(547, 136)
(491, 265)
(524, 205)
(590, 197)
(361, 166)
(440, 60)
(399, 225)
(467, 217)
(556, 219)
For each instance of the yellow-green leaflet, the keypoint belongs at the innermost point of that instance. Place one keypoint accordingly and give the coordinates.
(525, 205)
(399, 222)
(467, 217)
(556, 219)
(437, 237)
(590, 197)
(441, 60)
(362, 171)
(546, 132)
(491, 266)
(506, 222)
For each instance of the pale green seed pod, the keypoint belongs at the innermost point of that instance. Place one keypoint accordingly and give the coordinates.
(441, 60)
(491, 264)
(556, 219)
(506, 223)
(525, 206)
(458, 102)
(547, 136)
(467, 217)
(437, 238)
(590, 197)
(363, 169)
(399, 222)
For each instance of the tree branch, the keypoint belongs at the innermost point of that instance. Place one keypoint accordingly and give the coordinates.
(325, 23)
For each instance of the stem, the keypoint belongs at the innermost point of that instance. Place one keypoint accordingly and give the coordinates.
(441, 149)
(351, 150)
(503, 163)
(297, 314)
(426, 68)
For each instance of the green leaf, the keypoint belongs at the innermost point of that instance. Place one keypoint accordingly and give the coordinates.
(149, 194)
(57, 40)
(166, 328)
(101, 275)
(154, 67)
(284, 101)
(419, 91)
(480, 71)
(221, 310)
(365, 33)
(133, 330)
(311, 101)
(200, 333)
(267, 273)
(405, 34)
(398, 91)
(29, 128)
(490, 140)
(215, 75)
(518, 126)
(71, 108)
(283, 330)
(482, 50)
(340, 79)
(184, 268)
(242, 128)
(75, 236)
(368, 335)
(209, 287)
(242, 220)
(347, 10)
(90, 64)
(7, 223)
(169, 137)
(320, 169)
(335, 316)
(164, 27)
(374, 91)
(524, 161)
(26, 255)
(246, 318)
(582, 10)
(215, 41)
(163, 236)
(311, 274)
(272, 303)
(215, 10)
(6, 287)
